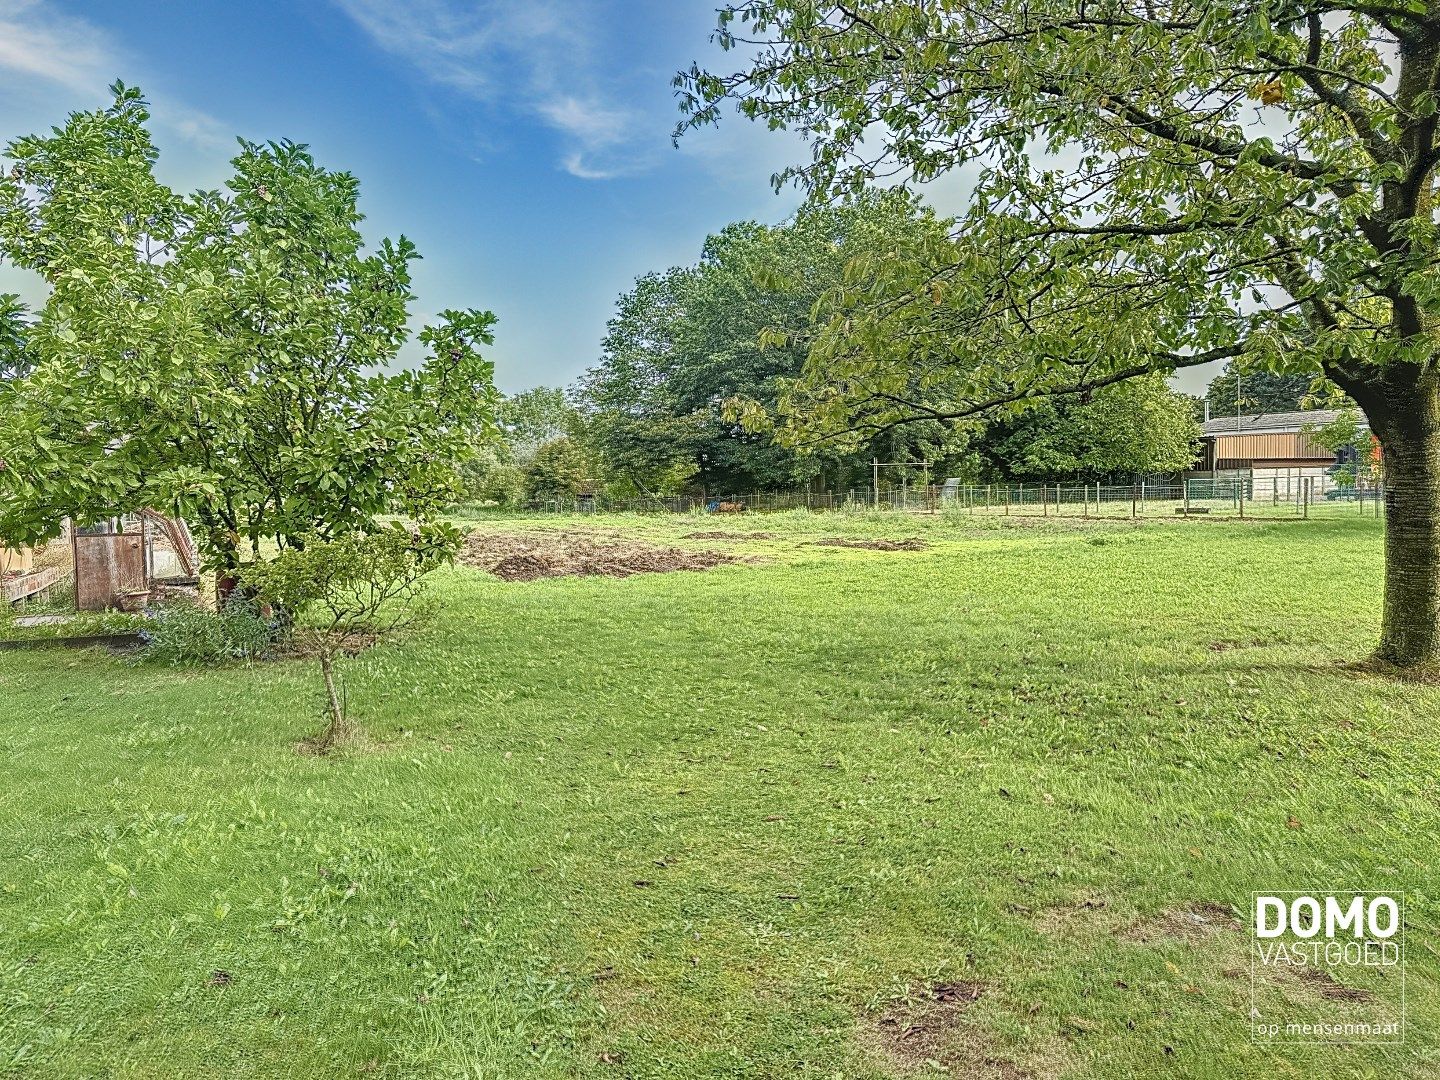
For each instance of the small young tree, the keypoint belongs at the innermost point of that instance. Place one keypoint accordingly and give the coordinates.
(1347, 438)
(331, 591)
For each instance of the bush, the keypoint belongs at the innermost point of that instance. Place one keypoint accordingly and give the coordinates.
(188, 634)
(328, 591)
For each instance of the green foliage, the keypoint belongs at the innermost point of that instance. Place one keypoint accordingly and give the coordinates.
(221, 355)
(190, 634)
(15, 359)
(1137, 427)
(1259, 392)
(525, 422)
(558, 470)
(530, 419)
(1344, 432)
(692, 354)
(1351, 442)
(489, 479)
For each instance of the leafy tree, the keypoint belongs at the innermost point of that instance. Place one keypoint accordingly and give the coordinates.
(534, 417)
(15, 358)
(335, 591)
(490, 476)
(221, 355)
(558, 470)
(1260, 392)
(1154, 187)
(1353, 446)
(1129, 429)
(524, 423)
(684, 343)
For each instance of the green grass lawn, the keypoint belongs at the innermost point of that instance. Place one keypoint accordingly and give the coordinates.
(734, 823)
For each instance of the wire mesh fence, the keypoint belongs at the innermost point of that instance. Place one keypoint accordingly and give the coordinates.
(1217, 497)
(1281, 496)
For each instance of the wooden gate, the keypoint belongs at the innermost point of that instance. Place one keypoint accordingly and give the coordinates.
(108, 566)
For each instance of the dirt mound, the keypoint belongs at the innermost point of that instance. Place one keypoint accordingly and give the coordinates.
(720, 534)
(543, 555)
(931, 1030)
(914, 543)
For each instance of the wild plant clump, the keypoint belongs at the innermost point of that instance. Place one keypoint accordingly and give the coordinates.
(190, 634)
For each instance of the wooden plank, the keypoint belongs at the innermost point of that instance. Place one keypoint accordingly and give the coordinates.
(129, 639)
(107, 567)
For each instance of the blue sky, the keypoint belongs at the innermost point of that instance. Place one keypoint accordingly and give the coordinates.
(524, 145)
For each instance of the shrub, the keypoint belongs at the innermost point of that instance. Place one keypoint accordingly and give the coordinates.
(329, 591)
(189, 634)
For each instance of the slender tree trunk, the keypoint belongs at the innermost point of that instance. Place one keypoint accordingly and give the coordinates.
(1409, 431)
(336, 729)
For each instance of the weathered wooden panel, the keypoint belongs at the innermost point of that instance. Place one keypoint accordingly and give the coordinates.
(107, 567)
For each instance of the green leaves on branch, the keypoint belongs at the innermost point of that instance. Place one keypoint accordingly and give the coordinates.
(347, 583)
(1148, 189)
(228, 356)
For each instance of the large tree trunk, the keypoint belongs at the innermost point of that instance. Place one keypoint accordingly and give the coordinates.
(1408, 425)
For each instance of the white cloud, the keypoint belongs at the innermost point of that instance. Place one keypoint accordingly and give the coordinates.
(36, 43)
(534, 55)
(42, 49)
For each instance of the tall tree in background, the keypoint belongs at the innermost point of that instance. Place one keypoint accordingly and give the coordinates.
(1155, 187)
(525, 422)
(684, 343)
(1258, 392)
(1131, 429)
(530, 419)
(220, 355)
